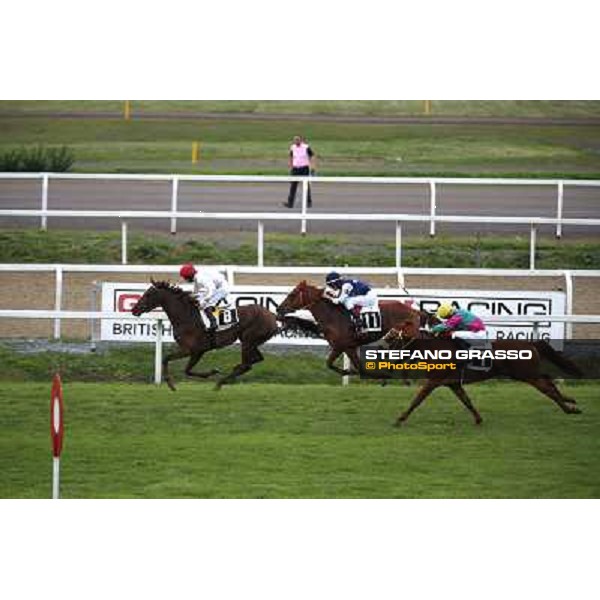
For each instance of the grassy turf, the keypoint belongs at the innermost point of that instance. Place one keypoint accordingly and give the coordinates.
(229, 146)
(316, 441)
(464, 108)
(22, 246)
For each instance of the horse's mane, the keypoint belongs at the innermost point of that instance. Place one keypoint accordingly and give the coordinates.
(176, 290)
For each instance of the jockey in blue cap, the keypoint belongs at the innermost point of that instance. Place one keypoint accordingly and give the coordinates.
(353, 294)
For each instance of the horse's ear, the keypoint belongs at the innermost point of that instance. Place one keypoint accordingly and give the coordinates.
(152, 281)
(302, 284)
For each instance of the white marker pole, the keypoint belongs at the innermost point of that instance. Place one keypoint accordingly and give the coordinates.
(56, 432)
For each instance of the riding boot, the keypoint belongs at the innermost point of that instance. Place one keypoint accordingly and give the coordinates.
(212, 329)
(356, 320)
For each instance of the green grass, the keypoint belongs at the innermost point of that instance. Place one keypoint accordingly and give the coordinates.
(22, 246)
(228, 146)
(284, 441)
(466, 108)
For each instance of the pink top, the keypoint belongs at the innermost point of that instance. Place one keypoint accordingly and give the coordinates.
(300, 156)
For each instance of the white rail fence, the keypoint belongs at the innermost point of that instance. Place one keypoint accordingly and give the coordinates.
(232, 271)
(398, 218)
(91, 315)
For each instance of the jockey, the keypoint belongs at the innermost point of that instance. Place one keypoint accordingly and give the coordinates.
(459, 323)
(354, 294)
(210, 288)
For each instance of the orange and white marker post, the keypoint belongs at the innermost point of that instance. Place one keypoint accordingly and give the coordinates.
(56, 432)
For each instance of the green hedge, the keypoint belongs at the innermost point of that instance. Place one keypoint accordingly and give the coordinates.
(37, 159)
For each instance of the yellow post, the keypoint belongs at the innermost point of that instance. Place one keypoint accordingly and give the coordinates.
(427, 104)
(127, 114)
(195, 152)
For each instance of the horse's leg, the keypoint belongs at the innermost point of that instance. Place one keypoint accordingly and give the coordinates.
(423, 392)
(462, 396)
(194, 358)
(545, 385)
(240, 369)
(332, 358)
(555, 387)
(256, 356)
(179, 353)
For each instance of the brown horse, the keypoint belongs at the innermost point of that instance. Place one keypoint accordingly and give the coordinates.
(336, 325)
(527, 372)
(255, 326)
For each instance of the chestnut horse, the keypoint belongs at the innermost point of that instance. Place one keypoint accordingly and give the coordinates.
(255, 326)
(407, 337)
(336, 325)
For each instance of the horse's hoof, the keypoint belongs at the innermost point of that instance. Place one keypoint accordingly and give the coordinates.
(478, 421)
(575, 411)
(171, 386)
(398, 422)
(218, 385)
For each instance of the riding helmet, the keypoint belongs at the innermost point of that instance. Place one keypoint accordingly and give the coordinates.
(187, 271)
(333, 276)
(445, 310)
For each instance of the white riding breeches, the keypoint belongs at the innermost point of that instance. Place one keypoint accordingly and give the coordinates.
(470, 335)
(212, 300)
(369, 300)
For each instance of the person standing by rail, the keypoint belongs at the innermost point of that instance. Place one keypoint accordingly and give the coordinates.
(300, 162)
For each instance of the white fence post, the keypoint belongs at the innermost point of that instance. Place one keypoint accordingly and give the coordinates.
(158, 352)
(58, 300)
(559, 209)
(123, 242)
(569, 303)
(174, 194)
(398, 244)
(432, 202)
(346, 365)
(532, 238)
(260, 245)
(304, 206)
(44, 223)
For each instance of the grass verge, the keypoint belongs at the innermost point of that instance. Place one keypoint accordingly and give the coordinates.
(55, 246)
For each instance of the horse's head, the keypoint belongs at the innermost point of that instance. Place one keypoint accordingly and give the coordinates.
(301, 297)
(398, 337)
(149, 301)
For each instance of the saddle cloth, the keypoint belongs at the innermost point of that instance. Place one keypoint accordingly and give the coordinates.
(226, 318)
(370, 319)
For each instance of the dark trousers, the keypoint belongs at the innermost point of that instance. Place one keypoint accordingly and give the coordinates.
(294, 186)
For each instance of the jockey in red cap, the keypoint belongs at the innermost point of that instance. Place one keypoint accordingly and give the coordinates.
(210, 288)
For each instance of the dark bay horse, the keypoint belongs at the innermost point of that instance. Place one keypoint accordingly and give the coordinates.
(336, 326)
(528, 372)
(256, 325)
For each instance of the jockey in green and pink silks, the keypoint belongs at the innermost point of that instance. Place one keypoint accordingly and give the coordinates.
(459, 323)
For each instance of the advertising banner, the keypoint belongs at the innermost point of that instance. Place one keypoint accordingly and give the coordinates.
(121, 297)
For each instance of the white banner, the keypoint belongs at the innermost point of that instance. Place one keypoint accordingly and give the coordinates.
(120, 297)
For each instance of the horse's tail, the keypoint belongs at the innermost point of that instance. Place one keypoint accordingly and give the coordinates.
(295, 324)
(548, 352)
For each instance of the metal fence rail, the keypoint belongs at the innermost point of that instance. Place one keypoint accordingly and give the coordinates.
(433, 183)
(260, 218)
